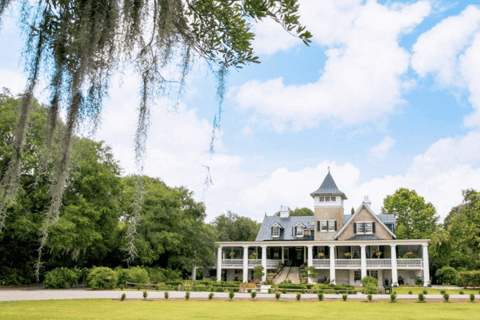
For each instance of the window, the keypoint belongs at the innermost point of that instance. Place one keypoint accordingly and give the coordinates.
(331, 225)
(275, 231)
(333, 199)
(360, 227)
(373, 273)
(357, 276)
(323, 226)
(299, 232)
(307, 232)
(368, 227)
(322, 199)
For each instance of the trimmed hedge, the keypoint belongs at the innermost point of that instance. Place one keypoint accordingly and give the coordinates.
(470, 278)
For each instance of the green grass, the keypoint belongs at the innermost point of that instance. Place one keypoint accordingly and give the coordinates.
(108, 309)
(417, 290)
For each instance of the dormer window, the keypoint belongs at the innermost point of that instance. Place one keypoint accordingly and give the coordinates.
(299, 231)
(275, 230)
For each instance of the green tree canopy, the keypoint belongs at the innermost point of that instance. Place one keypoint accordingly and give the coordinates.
(298, 212)
(414, 218)
(233, 227)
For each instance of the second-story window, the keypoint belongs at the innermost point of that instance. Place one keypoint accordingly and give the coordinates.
(323, 226)
(360, 227)
(368, 227)
(299, 232)
(276, 232)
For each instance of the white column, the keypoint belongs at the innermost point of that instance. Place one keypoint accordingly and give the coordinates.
(332, 264)
(304, 255)
(219, 264)
(363, 261)
(310, 260)
(245, 263)
(283, 255)
(394, 264)
(194, 274)
(426, 266)
(264, 263)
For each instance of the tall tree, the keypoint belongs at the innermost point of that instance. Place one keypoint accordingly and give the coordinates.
(233, 227)
(414, 218)
(464, 228)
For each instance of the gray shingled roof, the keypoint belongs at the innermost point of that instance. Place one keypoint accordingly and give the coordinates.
(365, 237)
(287, 224)
(329, 187)
(386, 218)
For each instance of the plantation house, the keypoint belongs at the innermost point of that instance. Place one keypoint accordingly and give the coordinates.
(343, 248)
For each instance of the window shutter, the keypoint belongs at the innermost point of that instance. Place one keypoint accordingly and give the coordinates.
(318, 225)
(373, 227)
(271, 231)
(355, 228)
(328, 227)
(335, 225)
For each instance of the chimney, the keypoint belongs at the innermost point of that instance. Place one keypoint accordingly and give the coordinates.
(367, 201)
(284, 212)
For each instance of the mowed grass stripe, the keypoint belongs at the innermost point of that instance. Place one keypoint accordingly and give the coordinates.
(108, 309)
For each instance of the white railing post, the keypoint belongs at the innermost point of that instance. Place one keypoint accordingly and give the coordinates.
(332, 264)
(264, 263)
(363, 261)
(283, 256)
(310, 260)
(219, 263)
(245, 263)
(426, 266)
(393, 249)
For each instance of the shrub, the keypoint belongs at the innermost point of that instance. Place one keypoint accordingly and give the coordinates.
(442, 291)
(344, 297)
(270, 290)
(231, 294)
(277, 295)
(320, 296)
(461, 292)
(448, 275)
(210, 296)
(253, 295)
(421, 298)
(60, 278)
(393, 297)
(187, 295)
(470, 278)
(145, 294)
(472, 297)
(136, 275)
(284, 291)
(410, 292)
(102, 277)
(249, 290)
(166, 295)
(425, 292)
(299, 296)
(369, 297)
(122, 298)
(369, 280)
(219, 290)
(370, 288)
(446, 296)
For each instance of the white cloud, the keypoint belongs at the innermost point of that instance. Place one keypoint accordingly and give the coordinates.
(381, 150)
(362, 77)
(450, 51)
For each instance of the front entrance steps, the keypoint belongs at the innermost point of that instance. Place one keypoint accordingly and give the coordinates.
(294, 275)
(282, 275)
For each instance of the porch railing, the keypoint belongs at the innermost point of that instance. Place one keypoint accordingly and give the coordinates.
(321, 263)
(232, 263)
(409, 263)
(339, 263)
(379, 263)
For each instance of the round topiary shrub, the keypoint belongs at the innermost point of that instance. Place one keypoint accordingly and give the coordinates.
(299, 296)
(344, 297)
(277, 295)
(102, 277)
(60, 278)
(253, 295)
(446, 296)
(320, 296)
(369, 297)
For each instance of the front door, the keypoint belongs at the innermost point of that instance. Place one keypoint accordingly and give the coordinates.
(296, 256)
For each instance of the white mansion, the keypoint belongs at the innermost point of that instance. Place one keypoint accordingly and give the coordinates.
(343, 248)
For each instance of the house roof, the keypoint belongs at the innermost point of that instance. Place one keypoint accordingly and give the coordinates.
(365, 237)
(286, 223)
(329, 187)
(376, 217)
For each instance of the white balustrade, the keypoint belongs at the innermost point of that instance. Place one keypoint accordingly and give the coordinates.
(379, 263)
(232, 263)
(342, 263)
(321, 263)
(409, 263)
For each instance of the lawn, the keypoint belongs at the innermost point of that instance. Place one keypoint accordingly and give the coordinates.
(417, 290)
(106, 309)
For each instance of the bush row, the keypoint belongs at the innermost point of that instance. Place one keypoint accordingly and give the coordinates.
(470, 278)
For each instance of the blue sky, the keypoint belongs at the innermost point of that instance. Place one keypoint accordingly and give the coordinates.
(387, 95)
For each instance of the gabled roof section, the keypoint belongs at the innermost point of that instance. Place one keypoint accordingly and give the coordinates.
(377, 219)
(300, 223)
(288, 224)
(329, 187)
(276, 225)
